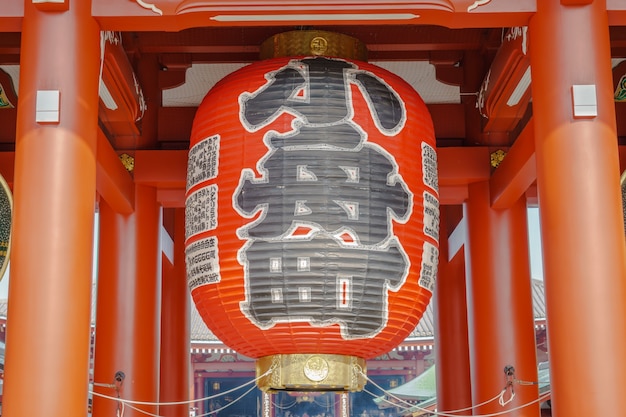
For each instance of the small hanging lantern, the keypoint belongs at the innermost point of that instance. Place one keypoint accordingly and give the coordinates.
(312, 211)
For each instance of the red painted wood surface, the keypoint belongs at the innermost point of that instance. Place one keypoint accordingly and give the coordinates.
(54, 183)
(129, 303)
(175, 332)
(452, 347)
(500, 312)
(580, 209)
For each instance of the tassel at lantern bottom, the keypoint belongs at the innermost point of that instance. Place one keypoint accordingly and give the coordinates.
(310, 372)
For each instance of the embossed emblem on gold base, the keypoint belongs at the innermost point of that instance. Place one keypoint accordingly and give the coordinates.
(311, 372)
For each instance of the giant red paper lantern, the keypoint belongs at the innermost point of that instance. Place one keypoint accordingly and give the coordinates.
(312, 209)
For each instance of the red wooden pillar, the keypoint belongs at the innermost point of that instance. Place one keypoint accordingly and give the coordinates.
(500, 314)
(451, 343)
(175, 335)
(115, 260)
(48, 337)
(580, 207)
(129, 299)
(198, 394)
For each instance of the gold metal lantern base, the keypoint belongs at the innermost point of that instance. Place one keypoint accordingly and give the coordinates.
(310, 372)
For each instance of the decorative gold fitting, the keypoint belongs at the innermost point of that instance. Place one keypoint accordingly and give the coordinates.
(313, 42)
(128, 162)
(310, 372)
(497, 157)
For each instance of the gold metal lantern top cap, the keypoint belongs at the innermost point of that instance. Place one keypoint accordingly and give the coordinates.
(313, 42)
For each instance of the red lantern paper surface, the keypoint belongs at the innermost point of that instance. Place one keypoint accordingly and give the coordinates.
(312, 208)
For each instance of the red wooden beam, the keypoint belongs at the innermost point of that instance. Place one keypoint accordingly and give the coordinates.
(11, 15)
(161, 169)
(617, 12)
(463, 165)
(516, 173)
(458, 167)
(452, 194)
(113, 182)
(174, 123)
(171, 197)
(448, 120)
(177, 15)
(505, 92)
(123, 105)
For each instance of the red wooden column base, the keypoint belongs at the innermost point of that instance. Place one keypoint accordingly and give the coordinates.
(500, 313)
(129, 304)
(175, 332)
(451, 347)
(580, 208)
(115, 261)
(54, 185)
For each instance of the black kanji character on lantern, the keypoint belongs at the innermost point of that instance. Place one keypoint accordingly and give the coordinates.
(317, 91)
(337, 191)
(322, 282)
(322, 175)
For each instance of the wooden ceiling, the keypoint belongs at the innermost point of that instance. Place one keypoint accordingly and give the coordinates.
(160, 60)
(461, 57)
(160, 50)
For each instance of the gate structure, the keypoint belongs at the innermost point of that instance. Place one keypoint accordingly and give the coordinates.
(97, 101)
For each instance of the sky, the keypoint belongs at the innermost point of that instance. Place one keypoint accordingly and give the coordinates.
(534, 242)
